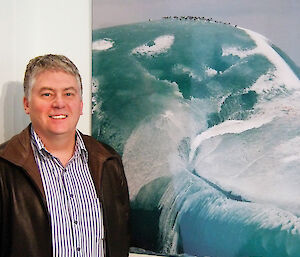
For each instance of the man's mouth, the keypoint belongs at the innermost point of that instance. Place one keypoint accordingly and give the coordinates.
(57, 117)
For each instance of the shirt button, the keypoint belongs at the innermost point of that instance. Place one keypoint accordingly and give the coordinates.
(78, 249)
(71, 195)
(76, 222)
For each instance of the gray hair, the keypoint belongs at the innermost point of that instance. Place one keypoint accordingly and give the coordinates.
(45, 63)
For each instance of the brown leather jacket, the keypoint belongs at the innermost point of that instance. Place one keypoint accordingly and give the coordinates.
(25, 228)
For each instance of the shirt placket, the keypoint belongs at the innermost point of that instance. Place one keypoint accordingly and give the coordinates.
(72, 200)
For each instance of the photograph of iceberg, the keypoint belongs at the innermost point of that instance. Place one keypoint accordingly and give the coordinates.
(206, 117)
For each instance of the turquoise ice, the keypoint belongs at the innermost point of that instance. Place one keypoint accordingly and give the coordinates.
(207, 119)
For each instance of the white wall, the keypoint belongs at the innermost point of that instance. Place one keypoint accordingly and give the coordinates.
(35, 27)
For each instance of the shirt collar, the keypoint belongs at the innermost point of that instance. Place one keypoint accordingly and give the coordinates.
(80, 149)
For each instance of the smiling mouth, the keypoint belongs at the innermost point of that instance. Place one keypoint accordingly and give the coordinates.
(57, 117)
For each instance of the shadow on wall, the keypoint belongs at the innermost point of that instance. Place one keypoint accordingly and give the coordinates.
(13, 116)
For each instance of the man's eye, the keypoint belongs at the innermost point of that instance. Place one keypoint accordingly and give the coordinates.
(68, 94)
(46, 94)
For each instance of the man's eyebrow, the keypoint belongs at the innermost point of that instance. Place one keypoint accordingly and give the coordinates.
(70, 88)
(46, 88)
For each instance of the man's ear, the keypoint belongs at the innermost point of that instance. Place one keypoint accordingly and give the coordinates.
(26, 105)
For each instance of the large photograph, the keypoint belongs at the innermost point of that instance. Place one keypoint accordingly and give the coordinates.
(202, 101)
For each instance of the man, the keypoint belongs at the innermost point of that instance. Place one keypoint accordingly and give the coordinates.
(62, 193)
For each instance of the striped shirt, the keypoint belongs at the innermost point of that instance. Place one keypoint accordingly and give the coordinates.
(75, 210)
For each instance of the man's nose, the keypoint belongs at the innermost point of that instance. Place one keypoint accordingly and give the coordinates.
(58, 102)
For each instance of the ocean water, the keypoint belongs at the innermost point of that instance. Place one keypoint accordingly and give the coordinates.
(206, 117)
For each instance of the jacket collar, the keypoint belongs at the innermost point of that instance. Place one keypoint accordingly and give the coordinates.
(19, 152)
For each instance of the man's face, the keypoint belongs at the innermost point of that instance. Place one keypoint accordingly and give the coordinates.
(55, 104)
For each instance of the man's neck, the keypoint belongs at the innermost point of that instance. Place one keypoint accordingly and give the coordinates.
(60, 146)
